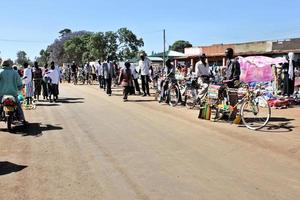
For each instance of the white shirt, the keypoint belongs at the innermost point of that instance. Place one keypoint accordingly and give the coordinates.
(53, 74)
(134, 72)
(144, 66)
(201, 69)
(99, 69)
(28, 75)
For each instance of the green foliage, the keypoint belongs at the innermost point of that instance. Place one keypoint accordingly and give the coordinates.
(44, 57)
(64, 32)
(128, 44)
(22, 58)
(83, 46)
(180, 45)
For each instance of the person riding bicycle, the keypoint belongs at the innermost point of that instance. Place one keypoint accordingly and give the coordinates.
(74, 70)
(203, 73)
(11, 84)
(169, 74)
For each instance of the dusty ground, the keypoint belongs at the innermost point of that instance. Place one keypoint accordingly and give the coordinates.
(91, 146)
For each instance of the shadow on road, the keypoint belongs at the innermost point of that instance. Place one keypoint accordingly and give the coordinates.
(278, 125)
(142, 100)
(8, 167)
(34, 129)
(70, 100)
(47, 104)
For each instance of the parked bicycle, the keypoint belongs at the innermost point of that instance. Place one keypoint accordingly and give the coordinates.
(254, 112)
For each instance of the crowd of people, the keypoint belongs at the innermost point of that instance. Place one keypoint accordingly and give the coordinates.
(35, 81)
(29, 82)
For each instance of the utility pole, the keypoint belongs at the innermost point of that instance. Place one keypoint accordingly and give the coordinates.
(164, 54)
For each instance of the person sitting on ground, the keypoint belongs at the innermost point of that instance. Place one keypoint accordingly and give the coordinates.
(11, 84)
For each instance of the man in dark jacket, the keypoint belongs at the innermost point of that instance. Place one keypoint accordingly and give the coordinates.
(232, 78)
(233, 70)
(108, 74)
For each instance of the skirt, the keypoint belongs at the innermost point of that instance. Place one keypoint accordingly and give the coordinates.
(28, 90)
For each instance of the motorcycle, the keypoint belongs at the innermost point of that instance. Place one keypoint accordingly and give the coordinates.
(9, 110)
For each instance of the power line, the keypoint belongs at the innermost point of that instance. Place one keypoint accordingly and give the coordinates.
(23, 41)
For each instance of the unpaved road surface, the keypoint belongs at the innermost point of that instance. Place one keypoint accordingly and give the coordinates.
(91, 146)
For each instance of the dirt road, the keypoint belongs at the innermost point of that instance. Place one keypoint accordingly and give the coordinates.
(91, 146)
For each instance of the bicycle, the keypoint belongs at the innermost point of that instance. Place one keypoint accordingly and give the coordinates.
(254, 112)
(194, 92)
(171, 93)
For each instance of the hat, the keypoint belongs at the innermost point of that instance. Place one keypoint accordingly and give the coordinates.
(7, 62)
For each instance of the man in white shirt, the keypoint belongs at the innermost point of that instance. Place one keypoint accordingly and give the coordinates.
(135, 77)
(99, 69)
(203, 72)
(27, 77)
(54, 76)
(202, 67)
(144, 66)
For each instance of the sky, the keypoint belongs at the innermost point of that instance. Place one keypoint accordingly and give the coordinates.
(31, 25)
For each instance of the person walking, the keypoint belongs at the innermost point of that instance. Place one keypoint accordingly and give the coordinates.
(87, 72)
(108, 75)
(37, 80)
(54, 76)
(74, 71)
(125, 79)
(144, 66)
(27, 77)
(99, 70)
(135, 77)
(45, 82)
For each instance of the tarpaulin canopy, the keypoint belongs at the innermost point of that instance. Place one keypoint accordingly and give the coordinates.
(258, 68)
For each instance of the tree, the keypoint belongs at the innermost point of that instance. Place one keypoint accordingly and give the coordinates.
(84, 46)
(97, 46)
(180, 45)
(64, 32)
(128, 44)
(111, 45)
(44, 57)
(56, 49)
(22, 58)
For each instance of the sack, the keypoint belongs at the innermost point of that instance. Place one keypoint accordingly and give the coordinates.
(205, 112)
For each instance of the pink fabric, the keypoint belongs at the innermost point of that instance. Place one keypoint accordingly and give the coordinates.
(258, 68)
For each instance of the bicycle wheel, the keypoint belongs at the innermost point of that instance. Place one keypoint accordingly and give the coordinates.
(256, 113)
(173, 96)
(190, 101)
